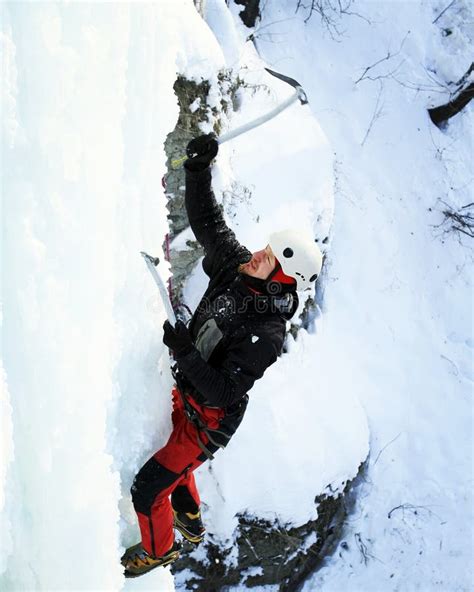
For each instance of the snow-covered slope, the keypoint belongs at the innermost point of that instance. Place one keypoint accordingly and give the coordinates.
(87, 102)
(398, 302)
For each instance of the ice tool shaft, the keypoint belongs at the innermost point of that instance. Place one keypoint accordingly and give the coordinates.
(299, 94)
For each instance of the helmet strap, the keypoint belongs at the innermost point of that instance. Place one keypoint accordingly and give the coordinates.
(273, 273)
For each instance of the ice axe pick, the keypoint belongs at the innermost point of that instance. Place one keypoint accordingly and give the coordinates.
(151, 263)
(298, 95)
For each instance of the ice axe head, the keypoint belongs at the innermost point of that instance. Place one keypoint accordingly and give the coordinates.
(292, 82)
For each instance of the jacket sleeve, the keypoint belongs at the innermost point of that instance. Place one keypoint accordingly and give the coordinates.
(221, 247)
(246, 362)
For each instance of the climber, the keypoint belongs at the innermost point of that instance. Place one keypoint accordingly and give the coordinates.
(237, 332)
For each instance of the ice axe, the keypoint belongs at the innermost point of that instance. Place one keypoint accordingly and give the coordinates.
(298, 95)
(151, 263)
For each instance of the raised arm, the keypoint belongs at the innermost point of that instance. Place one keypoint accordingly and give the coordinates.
(205, 215)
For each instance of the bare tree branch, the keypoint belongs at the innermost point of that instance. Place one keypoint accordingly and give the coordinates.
(460, 220)
(443, 11)
(389, 56)
(330, 12)
(386, 445)
(376, 114)
(465, 76)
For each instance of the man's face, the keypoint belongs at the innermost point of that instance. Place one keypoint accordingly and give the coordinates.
(261, 265)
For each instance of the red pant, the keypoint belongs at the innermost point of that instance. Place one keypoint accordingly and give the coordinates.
(169, 472)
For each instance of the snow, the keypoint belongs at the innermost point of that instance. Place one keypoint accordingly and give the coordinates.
(398, 296)
(286, 432)
(194, 106)
(6, 458)
(180, 241)
(87, 102)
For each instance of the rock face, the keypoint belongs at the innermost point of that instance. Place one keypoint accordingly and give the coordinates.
(194, 111)
(270, 553)
(189, 93)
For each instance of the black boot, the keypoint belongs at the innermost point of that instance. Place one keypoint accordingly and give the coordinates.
(189, 525)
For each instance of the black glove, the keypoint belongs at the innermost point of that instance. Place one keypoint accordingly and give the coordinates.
(177, 338)
(201, 151)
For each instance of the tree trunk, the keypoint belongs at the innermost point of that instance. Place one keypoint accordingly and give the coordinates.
(442, 113)
(251, 12)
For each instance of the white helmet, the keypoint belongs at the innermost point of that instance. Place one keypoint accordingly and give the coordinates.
(299, 256)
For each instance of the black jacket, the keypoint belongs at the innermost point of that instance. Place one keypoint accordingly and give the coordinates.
(237, 334)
